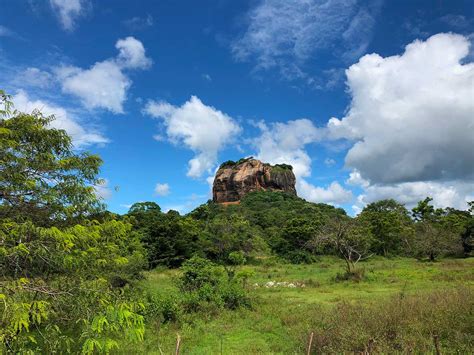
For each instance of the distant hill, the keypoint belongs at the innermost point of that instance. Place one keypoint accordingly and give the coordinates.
(285, 221)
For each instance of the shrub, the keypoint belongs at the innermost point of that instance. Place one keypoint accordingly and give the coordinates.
(353, 275)
(205, 286)
(300, 257)
(163, 308)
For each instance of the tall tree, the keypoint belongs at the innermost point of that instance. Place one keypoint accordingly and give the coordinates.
(435, 235)
(59, 281)
(42, 177)
(350, 238)
(390, 224)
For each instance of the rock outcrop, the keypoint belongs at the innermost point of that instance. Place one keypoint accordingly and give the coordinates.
(235, 179)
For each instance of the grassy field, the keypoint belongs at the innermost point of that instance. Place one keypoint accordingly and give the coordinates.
(401, 305)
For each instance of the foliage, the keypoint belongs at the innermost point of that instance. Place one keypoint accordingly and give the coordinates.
(433, 240)
(425, 211)
(65, 279)
(55, 281)
(228, 239)
(295, 239)
(205, 287)
(438, 232)
(281, 168)
(350, 238)
(169, 238)
(462, 223)
(42, 178)
(390, 226)
(227, 164)
(230, 163)
(275, 217)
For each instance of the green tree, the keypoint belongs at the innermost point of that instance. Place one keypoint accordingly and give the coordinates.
(228, 239)
(42, 178)
(467, 236)
(170, 239)
(425, 211)
(64, 287)
(437, 231)
(434, 239)
(295, 239)
(462, 224)
(56, 283)
(390, 225)
(350, 238)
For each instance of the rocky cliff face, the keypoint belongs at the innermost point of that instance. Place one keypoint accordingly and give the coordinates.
(235, 179)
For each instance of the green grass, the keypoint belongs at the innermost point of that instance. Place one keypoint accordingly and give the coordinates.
(282, 318)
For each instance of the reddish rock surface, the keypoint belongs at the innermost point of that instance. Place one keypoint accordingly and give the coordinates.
(235, 179)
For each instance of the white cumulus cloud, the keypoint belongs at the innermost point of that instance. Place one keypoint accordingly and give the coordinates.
(454, 194)
(132, 54)
(34, 77)
(412, 115)
(284, 143)
(333, 194)
(81, 133)
(104, 84)
(202, 128)
(411, 119)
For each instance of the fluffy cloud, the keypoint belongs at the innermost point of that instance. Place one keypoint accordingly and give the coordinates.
(411, 115)
(445, 194)
(105, 85)
(162, 189)
(411, 118)
(201, 128)
(82, 135)
(132, 54)
(334, 194)
(68, 11)
(285, 143)
(285, 33)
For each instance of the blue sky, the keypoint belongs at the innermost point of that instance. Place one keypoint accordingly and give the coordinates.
(366, 99)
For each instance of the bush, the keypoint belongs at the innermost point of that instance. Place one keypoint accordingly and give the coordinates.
(205, 286)
(300, 257)
(353, 275)
(163, 309)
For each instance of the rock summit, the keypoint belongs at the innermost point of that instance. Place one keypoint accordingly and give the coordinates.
(235, 179)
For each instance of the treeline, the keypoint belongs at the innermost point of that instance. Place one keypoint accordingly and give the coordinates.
(273, 223)
(69, 270)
